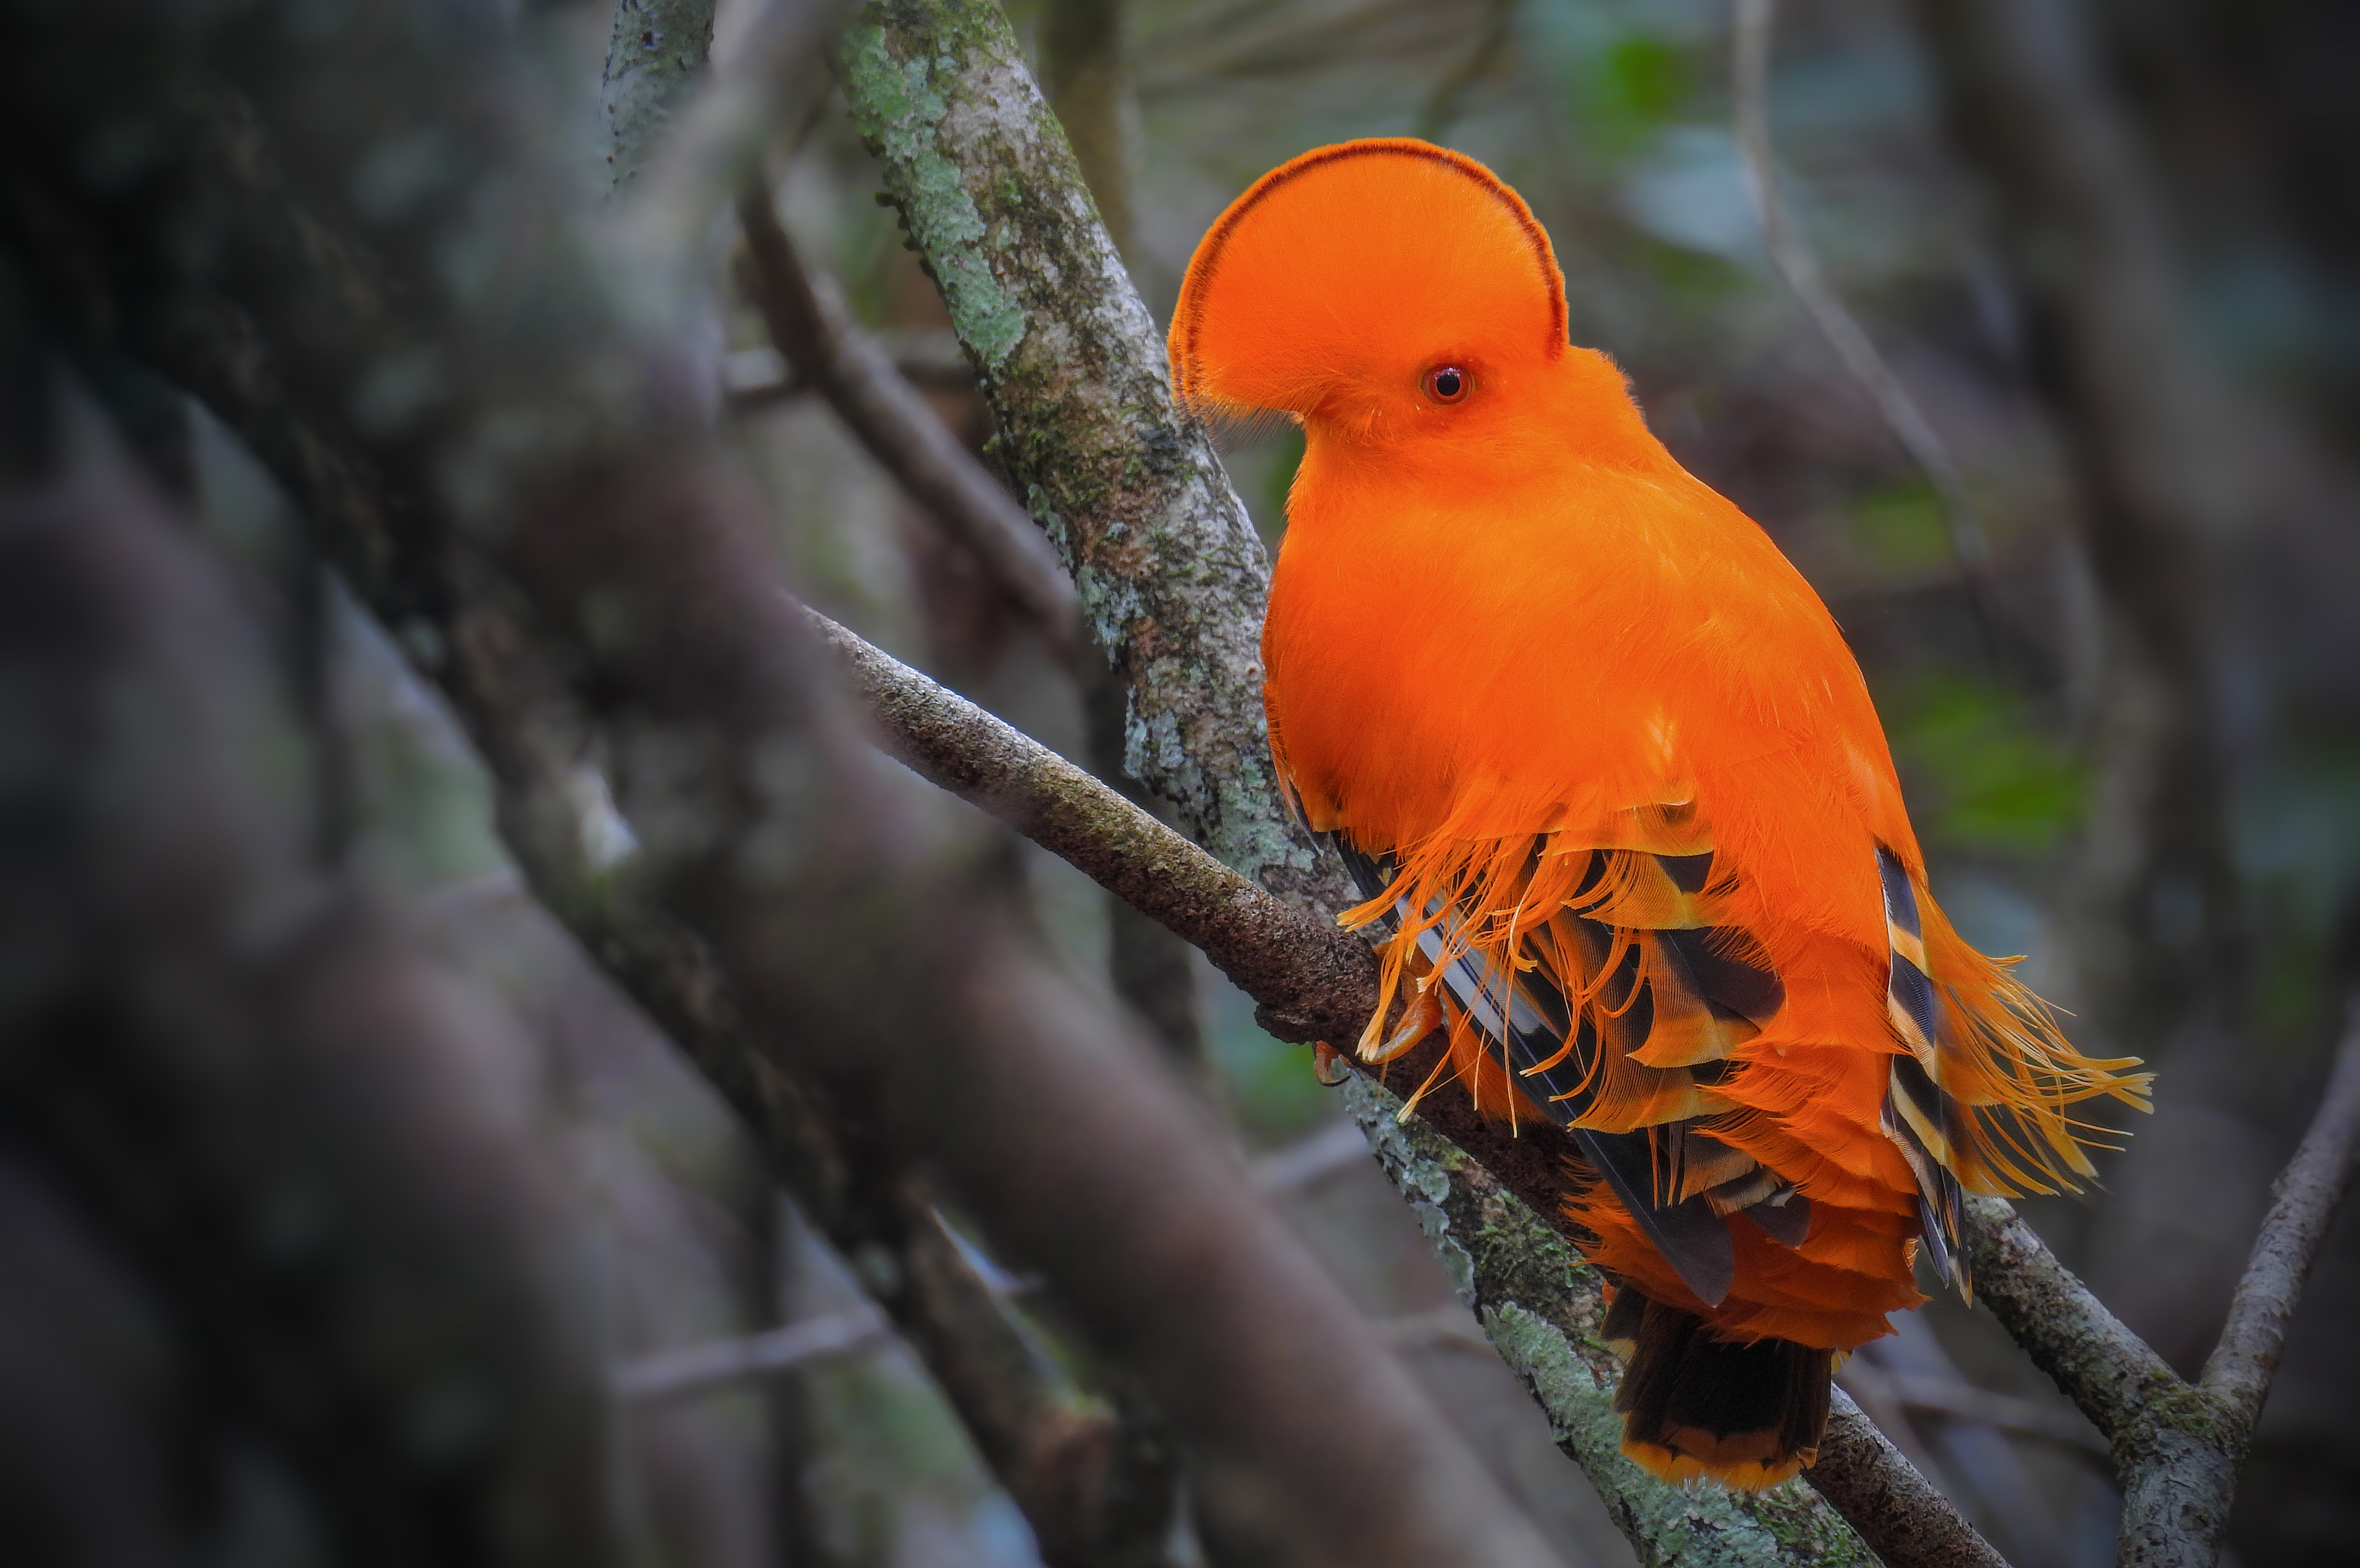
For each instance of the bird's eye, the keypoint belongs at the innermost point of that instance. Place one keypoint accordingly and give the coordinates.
(1447, 382)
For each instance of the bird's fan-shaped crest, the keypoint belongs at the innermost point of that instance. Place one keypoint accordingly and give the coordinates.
(1277, 304)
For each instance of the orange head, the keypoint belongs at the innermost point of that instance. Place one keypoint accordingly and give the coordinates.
(1381, 291)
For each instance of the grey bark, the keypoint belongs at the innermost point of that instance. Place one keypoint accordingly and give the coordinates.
(2305, 1199)
(1171, 574)
(659, 49)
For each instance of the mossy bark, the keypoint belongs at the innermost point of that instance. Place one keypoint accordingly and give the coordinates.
(1171, 574)
(1542, 1306)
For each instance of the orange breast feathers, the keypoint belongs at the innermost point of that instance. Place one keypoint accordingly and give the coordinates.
(1605, 769)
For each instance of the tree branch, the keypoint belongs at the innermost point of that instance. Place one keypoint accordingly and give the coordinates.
(2177, 1448)
(827, 351)
(1896, 1510)
(2307, 1194)
(1170, 571)
(720, 1363)
(1315, 975)
(1312, 979)
(658, 50)
(2088, 1351)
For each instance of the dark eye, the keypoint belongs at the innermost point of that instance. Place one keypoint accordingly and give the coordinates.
(1447, 382)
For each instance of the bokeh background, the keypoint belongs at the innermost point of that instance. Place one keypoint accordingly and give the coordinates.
(2132, 747)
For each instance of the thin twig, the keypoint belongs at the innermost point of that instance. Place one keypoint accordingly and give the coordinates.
(752, 378)
(2308, 1193)
(692, 1369)
(724, 1363)
(817, 336)
(1799, 267)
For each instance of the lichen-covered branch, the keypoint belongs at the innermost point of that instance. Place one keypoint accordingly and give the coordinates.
(2177, 1448)
(2168, 1440)
(1541, 1306)
(2100, 1364)
(1171, 574)
(2179, 1470)
(1897, 1511)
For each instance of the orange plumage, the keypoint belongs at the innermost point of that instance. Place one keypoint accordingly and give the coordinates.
(1602, 761)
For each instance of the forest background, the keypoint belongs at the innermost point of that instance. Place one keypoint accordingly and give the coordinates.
(439, 1250)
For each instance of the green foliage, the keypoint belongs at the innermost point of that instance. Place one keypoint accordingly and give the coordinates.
(1645, 80)
(1898, 531)
(1623, 94)
(1981, 772)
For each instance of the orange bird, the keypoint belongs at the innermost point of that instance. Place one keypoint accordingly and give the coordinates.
(1606, 772)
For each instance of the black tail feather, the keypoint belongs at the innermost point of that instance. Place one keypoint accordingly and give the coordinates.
(1692, 1405)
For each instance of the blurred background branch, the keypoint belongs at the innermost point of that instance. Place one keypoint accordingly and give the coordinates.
(635, 622)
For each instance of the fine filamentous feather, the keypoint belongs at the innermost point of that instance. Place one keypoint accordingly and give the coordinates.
(1526, 1023)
